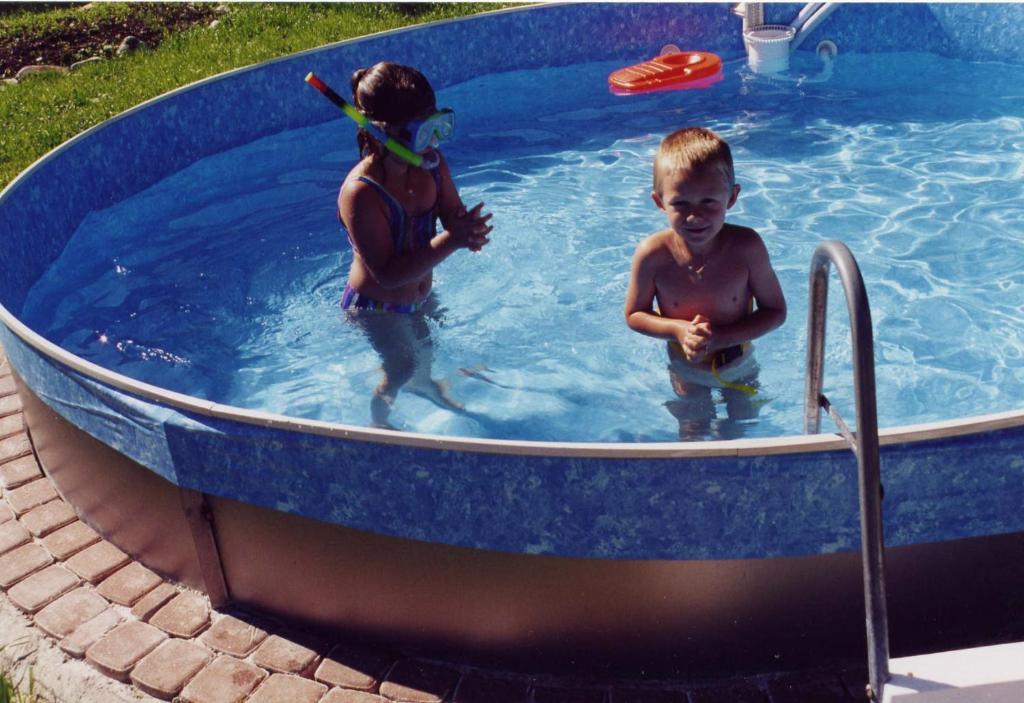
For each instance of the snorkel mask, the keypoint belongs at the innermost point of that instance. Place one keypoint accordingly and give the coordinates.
(428, 133)
(425, 133)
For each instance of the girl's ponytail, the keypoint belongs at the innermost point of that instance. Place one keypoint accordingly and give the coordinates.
(364, 141)
(357, 76)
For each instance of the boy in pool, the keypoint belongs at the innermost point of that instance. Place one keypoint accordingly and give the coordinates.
(389, 205)
(712, 281)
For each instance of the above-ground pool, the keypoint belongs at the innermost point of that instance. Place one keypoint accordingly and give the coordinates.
(171, 311)
(222, 281)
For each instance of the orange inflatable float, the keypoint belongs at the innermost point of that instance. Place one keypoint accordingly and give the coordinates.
(673, 70)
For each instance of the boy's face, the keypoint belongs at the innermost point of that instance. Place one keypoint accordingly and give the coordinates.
(695, 202)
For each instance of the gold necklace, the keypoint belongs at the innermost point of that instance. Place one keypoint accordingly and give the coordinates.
(696, 270)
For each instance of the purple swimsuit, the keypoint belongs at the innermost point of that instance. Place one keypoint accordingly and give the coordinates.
(415, 236)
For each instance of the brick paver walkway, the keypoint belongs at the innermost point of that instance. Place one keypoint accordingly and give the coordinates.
(98, 605)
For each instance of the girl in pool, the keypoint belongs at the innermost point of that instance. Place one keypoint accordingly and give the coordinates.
(389, 205)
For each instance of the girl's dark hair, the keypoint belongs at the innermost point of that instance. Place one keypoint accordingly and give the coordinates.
(390, 93)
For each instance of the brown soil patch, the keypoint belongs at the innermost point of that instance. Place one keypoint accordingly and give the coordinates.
(76, 38)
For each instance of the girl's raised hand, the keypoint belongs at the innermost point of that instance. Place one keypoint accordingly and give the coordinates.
(470, 229)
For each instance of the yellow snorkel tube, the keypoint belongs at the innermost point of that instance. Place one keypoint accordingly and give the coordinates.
(390, 143)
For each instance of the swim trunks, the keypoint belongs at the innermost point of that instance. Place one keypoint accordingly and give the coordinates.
(722, 369)
(417, 235)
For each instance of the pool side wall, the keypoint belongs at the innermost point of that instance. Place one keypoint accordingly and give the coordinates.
(643, 618)
(714, 506)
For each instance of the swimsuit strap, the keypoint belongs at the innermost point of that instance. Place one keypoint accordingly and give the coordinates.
(395, 208)
(424, 227)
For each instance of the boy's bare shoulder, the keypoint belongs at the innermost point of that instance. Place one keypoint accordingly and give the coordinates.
(653, 245)
(739, 233)
(741, 239)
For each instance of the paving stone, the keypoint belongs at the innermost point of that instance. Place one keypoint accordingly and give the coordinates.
(412, 681)
(224, 680)
(234, 636)
(549, 694)
(32, 494)
(626, 695)
(6, 514)
(12, 424)
(285, 688)
(808, 688)
(165, 671)
(21, 562)
(12, 535)
(89, 632)
(342, 695)
(14, 447)
(358, 669)
(128, 584)
(60, 618)
(19, 472)
(48, 517)
(42, 588)
(97, 562)
(478, 688)
(186, 615)
(284, 656)
(70, 540)
(117, 652)
(153, 601)
(742, 692)
(9, 405)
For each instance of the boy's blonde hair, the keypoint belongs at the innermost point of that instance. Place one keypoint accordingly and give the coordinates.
(693, 148)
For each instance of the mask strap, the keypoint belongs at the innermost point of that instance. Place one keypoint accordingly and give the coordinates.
(390, 143)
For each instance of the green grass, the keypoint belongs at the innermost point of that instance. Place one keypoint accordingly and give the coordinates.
(9, 693)
(43, 111)
(19, 691)
(22, 19)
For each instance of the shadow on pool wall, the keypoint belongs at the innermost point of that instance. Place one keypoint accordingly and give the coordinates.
(676, 559)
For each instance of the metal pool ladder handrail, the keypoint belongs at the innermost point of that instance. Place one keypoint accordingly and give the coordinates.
(864, 441)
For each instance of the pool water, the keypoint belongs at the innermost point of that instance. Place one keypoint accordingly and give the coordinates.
(222, 281)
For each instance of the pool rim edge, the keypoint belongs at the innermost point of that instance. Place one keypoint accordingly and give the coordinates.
(794, 444)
